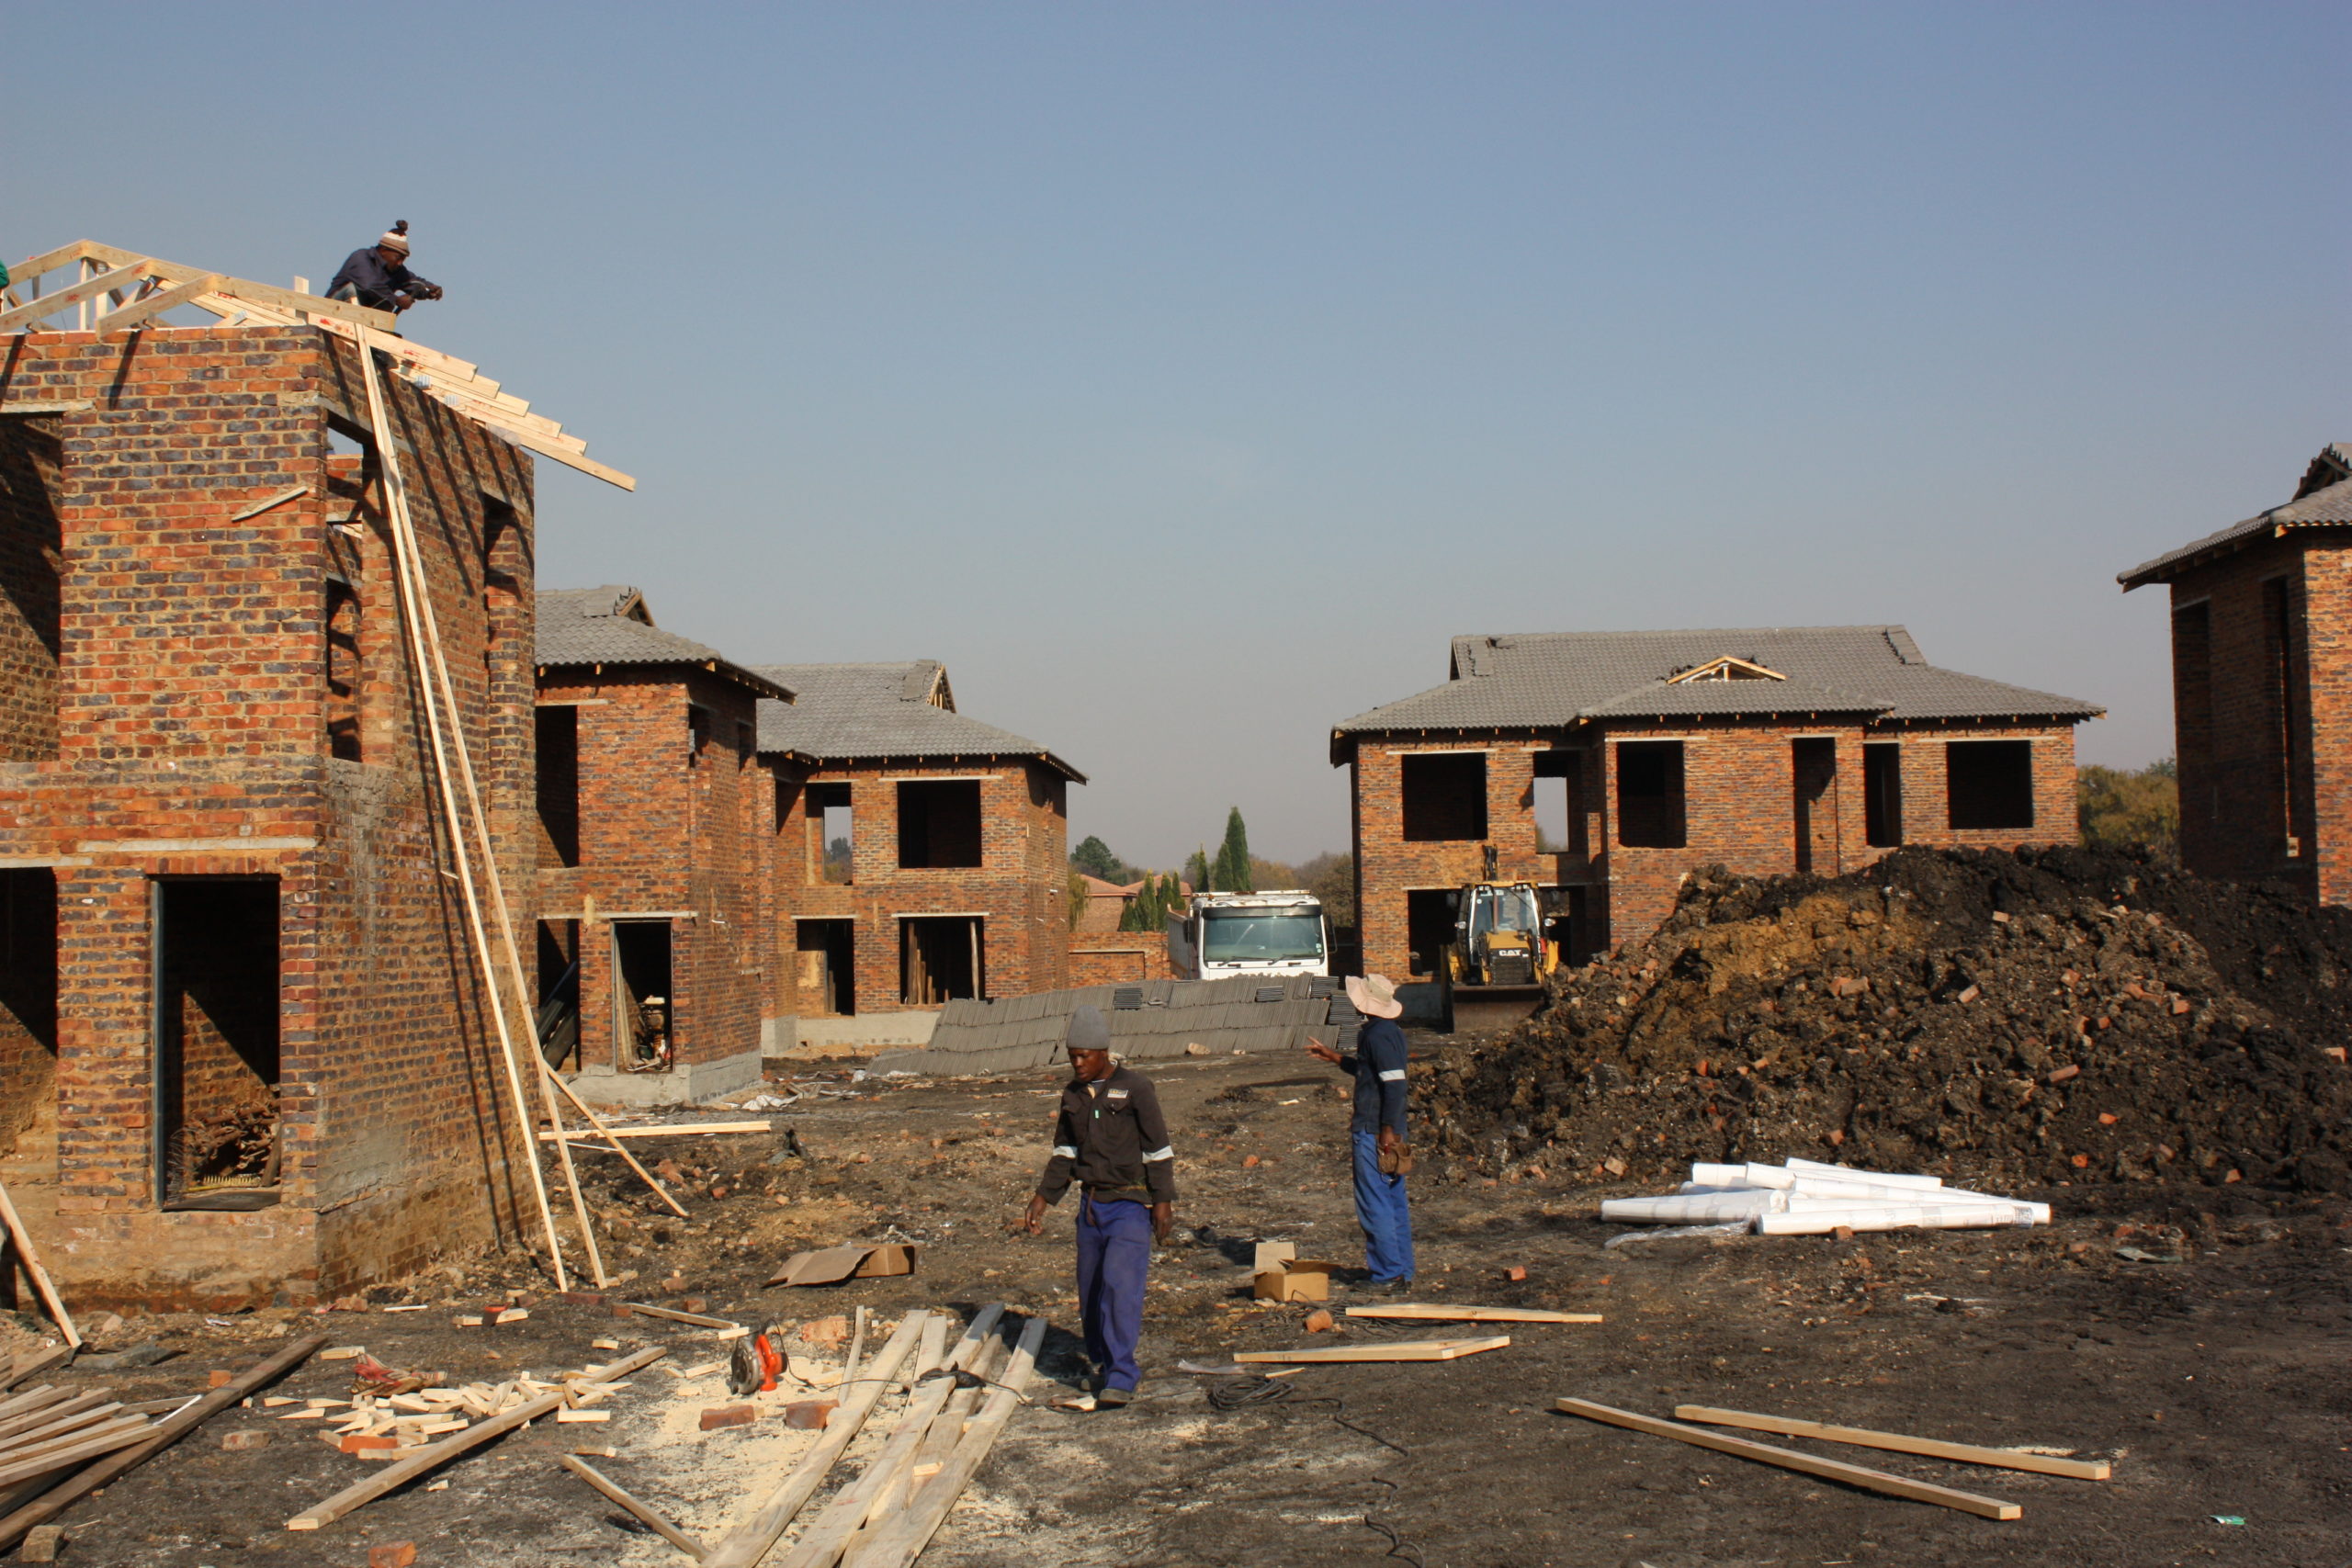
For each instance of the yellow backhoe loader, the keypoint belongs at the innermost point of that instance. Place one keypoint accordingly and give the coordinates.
(1501, 956)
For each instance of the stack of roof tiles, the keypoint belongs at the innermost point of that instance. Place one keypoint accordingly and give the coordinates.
(1154, 1018)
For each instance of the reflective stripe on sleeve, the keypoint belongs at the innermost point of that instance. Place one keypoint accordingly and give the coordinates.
(1394, 1074)
(1066, 1151)
(1168, 1153)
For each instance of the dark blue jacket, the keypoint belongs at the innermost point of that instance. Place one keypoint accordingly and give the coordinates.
(374, 282)
(1378, 1065)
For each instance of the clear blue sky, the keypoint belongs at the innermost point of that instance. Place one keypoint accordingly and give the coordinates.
(1184, 376)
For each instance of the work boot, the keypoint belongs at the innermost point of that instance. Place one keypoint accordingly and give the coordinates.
(1394, 1287)
(1113, 1398)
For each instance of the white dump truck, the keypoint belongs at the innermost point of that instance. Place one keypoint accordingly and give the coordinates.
(1222, 934)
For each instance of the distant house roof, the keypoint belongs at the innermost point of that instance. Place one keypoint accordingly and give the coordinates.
(1552, 680)
(904, 710)
(2324, 499)
(611, 626)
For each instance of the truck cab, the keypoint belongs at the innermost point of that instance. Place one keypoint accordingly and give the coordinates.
(1274, 933)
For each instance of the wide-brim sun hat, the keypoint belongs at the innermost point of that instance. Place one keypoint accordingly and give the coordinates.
(1374, 995)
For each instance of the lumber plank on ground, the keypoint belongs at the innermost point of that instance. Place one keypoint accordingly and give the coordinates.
(39, 1426)
(899, 1538)
(30, 1256)
(36, 1399)
(1862, 1437)
(1787, 1459)
(644, 1513)
(1402, 1350)
(434, 1455)
(821, 1543)
(167, 1431)
(1440, 1314)
(21, 1464)
(547, 1136)
(696, 1319)
(748, 1542)
(33, 1365)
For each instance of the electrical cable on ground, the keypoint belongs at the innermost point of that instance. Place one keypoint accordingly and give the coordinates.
(1238, 1393)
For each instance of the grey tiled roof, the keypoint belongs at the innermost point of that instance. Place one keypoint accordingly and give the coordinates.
(2322, 501)
(610, 624)
(903, 709)
(1551, 680)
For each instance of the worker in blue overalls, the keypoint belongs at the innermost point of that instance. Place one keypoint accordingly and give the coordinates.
(1377, 1132)
(1111, 1139)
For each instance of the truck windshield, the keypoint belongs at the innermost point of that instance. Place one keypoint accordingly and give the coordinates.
(1261, 936)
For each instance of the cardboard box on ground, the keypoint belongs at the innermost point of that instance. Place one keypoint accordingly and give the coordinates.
(1283, 1276)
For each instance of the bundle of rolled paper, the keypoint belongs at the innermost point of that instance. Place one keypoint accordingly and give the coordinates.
(1806, 1197)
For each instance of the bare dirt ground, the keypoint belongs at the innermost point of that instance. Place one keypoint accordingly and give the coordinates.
(2218, 1383)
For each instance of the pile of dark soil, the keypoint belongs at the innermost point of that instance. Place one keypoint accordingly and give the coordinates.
(2055, 1015)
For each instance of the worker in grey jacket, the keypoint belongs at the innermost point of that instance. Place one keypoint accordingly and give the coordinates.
(1109, 1138)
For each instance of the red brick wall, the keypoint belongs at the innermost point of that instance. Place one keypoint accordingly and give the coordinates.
(1097, 959)
(1021, 887)
(664, 826)
(192, 708)
(1739, 785)
(2240, 800)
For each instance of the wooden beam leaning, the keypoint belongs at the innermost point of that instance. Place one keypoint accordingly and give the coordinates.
(533, 441)
(30, 1256)
(399, 1472)
(169, 1430)
(1788, 1459)
(899, 1538)
(748, 1542)
(155, 304)
(47, 305)
(644, 1513)
(1402, 1350)
(1474, 1314)
(1897, 1442)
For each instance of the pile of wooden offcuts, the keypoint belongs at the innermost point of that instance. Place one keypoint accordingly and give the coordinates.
(393, 1425)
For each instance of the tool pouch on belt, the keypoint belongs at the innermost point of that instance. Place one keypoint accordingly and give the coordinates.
(1396, 1161)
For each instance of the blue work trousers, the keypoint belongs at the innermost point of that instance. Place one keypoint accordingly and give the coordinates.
(1113, 1254)
(1383, 1213)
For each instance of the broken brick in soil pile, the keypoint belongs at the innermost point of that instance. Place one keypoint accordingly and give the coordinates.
(2048, 1015)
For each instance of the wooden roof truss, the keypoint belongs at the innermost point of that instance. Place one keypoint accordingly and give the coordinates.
(112, 289)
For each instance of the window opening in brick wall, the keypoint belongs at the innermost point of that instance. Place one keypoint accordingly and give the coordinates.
(1989, 784)
(2192, 700)
(1812, 765)
(644, 1003)
(1581, 939)
(1650, 810)
(31, 562)
(504, 567)
(557, 1021)
(941, 958)
(697, 733)
(827, 977)
(1883, 793)
(2281, 709)
(1429, 928)
(1444, 797)
(833, 834)
(213, 952)
(555, 732)
(28, 998)
(342, 671)
(1559, 803)
(939, 823)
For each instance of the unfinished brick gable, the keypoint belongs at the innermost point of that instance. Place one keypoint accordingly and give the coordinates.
(206, 537)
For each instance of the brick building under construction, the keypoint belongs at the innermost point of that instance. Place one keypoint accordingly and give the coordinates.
(1766, 750)
(243, 1039)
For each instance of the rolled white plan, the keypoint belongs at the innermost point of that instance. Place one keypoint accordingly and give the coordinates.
(1706, 1175)
(1694, 1209)
(1849, 1173)
(1891, 1217)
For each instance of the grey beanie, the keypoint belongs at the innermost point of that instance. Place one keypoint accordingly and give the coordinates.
(1087, 1031)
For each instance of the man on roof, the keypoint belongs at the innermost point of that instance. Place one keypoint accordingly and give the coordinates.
(377, 276)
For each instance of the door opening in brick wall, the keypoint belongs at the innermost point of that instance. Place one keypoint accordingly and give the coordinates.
(1428, 927)
(1813, 764)
(939, 823)
(2283, 709)
(555, 732)
(1650, 809)
(213, 952)
(833, 834)
(644, 1006)
(28, 997)
(557, 1021)
(32, 561)
(1580, 940)
(941, 958)
(827, 977)
(1443, 796)
(1883, 793)
(2192, 698)
(1989, 784)
(344, 673)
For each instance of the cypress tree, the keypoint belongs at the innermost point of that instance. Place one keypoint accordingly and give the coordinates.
(1233, 858)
